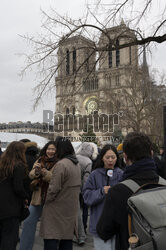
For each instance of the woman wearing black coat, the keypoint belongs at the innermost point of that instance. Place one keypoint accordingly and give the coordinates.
(13, 195)
(31, 155)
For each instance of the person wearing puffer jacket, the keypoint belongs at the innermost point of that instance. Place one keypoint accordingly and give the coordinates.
(86, 153)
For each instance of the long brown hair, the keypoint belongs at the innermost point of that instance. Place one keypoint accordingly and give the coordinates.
(14, 155)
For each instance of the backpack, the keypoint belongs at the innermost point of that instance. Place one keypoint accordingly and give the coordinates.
(147, 215)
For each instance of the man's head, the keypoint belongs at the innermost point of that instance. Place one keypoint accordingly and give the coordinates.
(136, 146)
(25, 140)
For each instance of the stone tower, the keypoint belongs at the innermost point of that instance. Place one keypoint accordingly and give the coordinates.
(82, 86)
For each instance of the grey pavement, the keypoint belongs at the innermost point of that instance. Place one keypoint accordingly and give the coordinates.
(39, 242)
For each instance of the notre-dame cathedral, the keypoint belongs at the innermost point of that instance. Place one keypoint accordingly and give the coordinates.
(88, 81)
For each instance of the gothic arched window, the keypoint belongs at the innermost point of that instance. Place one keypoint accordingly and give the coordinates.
(110, 56)
(117, 80)
(108, 81)
(117, 54)
(74, 60)
(130, 55)
(90, 84)
(96, 83)
(87, 64)
(73, 110)
(118, 104)
(67, 111)
(67, 62)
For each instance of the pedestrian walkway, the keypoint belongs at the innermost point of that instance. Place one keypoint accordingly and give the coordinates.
(39, 243)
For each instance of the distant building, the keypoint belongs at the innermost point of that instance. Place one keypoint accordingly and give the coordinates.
(28, 127)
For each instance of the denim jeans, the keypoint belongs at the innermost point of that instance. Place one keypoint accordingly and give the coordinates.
(29, 228)
(84, 215)
(53, 244)
(100, 244)
(81, 232)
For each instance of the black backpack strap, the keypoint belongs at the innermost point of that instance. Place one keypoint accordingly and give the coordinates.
(131, 184)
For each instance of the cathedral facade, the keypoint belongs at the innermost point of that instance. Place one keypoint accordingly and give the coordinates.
(89, 81)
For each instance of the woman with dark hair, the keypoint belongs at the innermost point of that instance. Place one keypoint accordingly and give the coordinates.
(40, 175)
(31, 154)
(60, 209)
(106, 174)
(13, 173)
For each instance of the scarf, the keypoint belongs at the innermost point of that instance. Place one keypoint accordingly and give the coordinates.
(146, 164)
(47, 163)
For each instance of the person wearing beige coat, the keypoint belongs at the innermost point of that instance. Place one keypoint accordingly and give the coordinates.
(60, 210)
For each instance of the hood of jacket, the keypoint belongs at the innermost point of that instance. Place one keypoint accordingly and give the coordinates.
(87, 149)
(31, 148)
(72, 158)
(95, 151)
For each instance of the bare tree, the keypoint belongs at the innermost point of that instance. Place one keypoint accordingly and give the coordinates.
(140, 100)
(99, 17)
(155, 109)
(133, 100)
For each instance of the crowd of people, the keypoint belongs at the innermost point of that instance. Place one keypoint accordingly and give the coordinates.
(59, 185)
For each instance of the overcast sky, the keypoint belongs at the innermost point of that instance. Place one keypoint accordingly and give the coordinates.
(19, 17)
